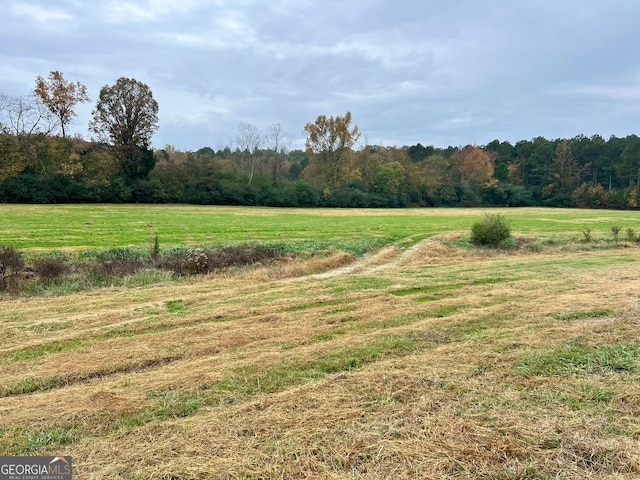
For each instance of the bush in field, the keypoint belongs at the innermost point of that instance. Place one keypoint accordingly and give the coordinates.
(616, 232)
(119, 267)
(128, 267)
(241, 255)
(197, 261)
(116, 263)
(50, 267)
(154, 250)
(492, 231)
(631, 235)
(11, 265)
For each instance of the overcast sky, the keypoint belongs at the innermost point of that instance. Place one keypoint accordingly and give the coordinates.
(447, 72)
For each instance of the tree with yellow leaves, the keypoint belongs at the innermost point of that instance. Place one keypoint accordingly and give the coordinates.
(329, 143)
(60, 96)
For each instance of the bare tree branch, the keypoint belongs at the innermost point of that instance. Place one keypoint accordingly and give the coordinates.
(248, 142)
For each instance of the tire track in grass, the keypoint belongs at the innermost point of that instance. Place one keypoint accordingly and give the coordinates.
(387, 257)
(36, 384)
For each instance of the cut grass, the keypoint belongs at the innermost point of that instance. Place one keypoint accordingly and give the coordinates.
(437, 289)
(34, 384)
(520, 365)
(585, 314)
(235, 386)
(114, 227)
(40, 350)
(575, 358)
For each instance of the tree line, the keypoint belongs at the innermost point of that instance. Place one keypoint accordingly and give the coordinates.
(40, 163)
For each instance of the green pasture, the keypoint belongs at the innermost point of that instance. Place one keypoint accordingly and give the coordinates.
(52, 227)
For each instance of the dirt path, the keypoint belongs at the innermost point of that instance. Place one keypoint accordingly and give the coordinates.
(388, 257)
(430, 251)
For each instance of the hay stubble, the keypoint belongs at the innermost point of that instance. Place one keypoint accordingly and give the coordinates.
(404, 365)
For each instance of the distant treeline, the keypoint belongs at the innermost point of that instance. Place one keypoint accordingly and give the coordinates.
(37, 166)
(586, 172)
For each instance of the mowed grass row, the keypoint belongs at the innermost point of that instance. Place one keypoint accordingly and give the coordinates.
(431, 362)
(60, 227)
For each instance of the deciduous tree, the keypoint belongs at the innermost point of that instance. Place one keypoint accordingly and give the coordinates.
(278, 148)
(60, 96)
(25, 121)
(11, 160)
(248, 140)
(4, 104)
(390, 177)
(475, 166)
(126, 115)
(26, 116)
(329, 143)
(438, 176)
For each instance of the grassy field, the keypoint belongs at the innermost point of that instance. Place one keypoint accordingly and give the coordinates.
(423, 358)
(108, 226)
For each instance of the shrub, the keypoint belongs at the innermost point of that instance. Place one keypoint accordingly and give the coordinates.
(154, 249)
(55, 274)
(50, 267)
(631, 234)
(175, 261)
(616, 232)
(242, 255)
(115, 266)
(198, 260)
(492, 231)
(11, 265)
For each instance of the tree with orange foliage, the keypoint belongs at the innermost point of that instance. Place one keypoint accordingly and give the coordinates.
(60, 96)
(475, 165)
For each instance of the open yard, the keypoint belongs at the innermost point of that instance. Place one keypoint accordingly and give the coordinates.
(421, 358)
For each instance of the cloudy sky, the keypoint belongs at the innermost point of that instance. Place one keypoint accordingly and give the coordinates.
(446, 72)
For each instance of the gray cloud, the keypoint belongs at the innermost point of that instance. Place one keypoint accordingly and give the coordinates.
(442, 73)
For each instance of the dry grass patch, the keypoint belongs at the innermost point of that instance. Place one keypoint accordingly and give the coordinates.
(402, 366)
